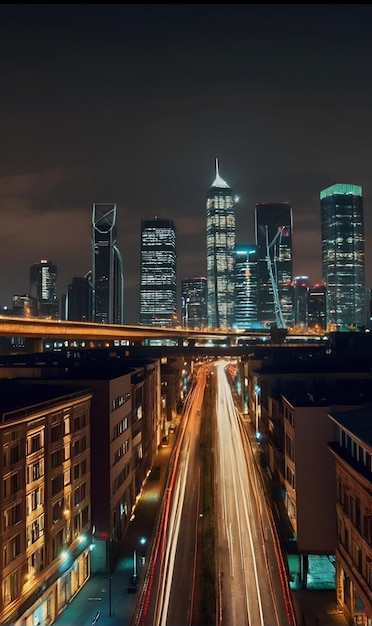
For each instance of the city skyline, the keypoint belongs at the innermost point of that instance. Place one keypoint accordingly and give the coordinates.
(98, 110)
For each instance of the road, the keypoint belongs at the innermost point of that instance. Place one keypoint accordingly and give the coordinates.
(253, 588)
(168, 591)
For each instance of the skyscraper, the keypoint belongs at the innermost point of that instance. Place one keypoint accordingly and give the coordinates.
(43, 287)
(220, 253)
(273, 227)
(343, 261)
(316, 307)
(194, 302)
(79, 304)
(158, 293)
(246, 283)
(300, 300)
(107, 267)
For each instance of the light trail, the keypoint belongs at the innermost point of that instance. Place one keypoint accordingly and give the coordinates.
(243, 530)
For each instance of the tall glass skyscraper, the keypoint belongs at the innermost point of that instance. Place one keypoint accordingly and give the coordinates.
(107, 267)
(246, 284)
(194, 302)
(220, 253)
(43, 288)
(343, 260)
(158, 293)
(273, 227)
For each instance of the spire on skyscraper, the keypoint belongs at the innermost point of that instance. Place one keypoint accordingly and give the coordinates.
(218, 181)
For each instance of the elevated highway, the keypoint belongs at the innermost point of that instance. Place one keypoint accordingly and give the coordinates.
(34, 332)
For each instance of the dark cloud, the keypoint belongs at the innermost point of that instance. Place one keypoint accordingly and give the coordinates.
(132, 103)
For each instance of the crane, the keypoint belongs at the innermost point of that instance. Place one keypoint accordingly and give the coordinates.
(274, 279)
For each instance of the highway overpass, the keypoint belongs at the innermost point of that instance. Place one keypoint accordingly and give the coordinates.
(35, 332)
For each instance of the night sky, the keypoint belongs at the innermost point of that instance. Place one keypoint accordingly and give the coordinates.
(132, 104)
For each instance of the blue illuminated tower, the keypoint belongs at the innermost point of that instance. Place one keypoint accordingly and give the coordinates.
(158, 293)
(107, 267)
(246, 286)
(343, 261)
(220, 253)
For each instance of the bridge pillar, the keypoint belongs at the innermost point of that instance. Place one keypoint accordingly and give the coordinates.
(33, 344)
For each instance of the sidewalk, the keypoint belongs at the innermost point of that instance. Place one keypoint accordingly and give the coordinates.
(317, 608)
(91, 606)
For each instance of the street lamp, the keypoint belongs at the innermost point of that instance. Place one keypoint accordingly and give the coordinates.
(143, 543)
(110, 610)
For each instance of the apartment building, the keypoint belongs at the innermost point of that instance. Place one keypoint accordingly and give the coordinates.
(45, 499)
(352, 453)
(126, 428)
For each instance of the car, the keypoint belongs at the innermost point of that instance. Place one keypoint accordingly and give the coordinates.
(133, 584)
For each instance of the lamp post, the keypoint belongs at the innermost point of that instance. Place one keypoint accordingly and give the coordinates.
(110, 584)
(143, 543)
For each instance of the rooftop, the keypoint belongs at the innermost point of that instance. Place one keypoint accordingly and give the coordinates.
(357, 421)
(18, 395)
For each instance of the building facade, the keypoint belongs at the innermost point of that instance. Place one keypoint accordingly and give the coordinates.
(45, 499)
(79, 300)
(273, 229)
(343, 259)
(220, 253)
(352, 454)
(158, 292)
(107, 267)
(317, 307)
(24, 306)
(246, 287)
(43, 288)
(194, 302)
(300, 301)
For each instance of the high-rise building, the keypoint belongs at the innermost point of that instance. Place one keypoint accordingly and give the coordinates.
(158, 292)
(24, 306)
(79, 300)
(246, 283)
(317, 307)
(220, 253)
(300, 300)
(43, 288)
(343, 261)
(45, 504)
(107, 267)
(273, 228)
(194, 302)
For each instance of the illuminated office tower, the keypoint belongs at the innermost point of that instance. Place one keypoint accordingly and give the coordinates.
(317, 307)
(300, 300)
(273, 228)
(43, 288)
(343, 261)
(194, 302)
(220, 253)
(246, 284)
(107, 267)
(158, 293)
